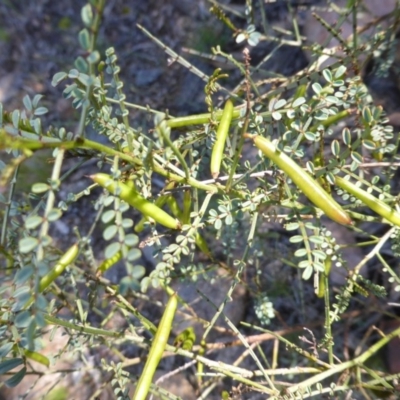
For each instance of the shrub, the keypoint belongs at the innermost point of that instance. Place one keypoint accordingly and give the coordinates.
(308, 130)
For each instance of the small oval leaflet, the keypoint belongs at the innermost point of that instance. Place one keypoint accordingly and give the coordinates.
(28, 244)
(87, 15)
(40, 111)
(335, 147)
(40, 188)
(131, 240)
(110, 232)
(298, 102)
(112, 249)
(340, 72)
(277, 116)
(33, 221)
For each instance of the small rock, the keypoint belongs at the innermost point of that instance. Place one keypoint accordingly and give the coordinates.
(145, 77)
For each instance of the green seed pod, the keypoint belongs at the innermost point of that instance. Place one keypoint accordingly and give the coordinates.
(174, 206)
(157, 349)
(222, 134)
(160, 201)
(370, 201)
(187, 205)
(308, 185)
(133, 198)
(67, 259)
(199, 119)
(202, 245)
(40, 358)
(322, 277)
(186, 339)
(109, 262)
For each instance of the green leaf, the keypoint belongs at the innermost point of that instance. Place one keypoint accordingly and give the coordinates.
(316, 88)
(131, 240)
(279, 104)
(138, 271)
(346, 136)
(5, 349)
(319, 254)
(16, 116)
(311, 136)
(310, 167)
(127, 223)
(292, 226)
(277, 116)
(134, 254)
(110, 232)
(27, 103)
(93, 57)
(241, 37)
(36, 100)
(73, 74)
(366, 114)
(17, 378)
(335, 147)
(340, 72)
(108, 216)
(58, 77)
(22, 319)
(369, 144)
(300, 253)
(81, 64)
(298, 102)
(112, 249)
(37, 125)
(54, 215)
(40, 111)
(330, 178)
(8, 365)
(84, 39)
(296, 239)
(327, 74)
(87, 15)
(254, 38)
(307, 272)
(40, 188)
(332, 99)
(23, 275)
(33, 221)
(316, 239)
(27, 244)
(356, 157)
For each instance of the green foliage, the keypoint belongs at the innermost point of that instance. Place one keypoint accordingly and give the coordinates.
(221, 222)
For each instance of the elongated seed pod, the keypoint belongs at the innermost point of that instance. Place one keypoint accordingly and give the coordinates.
(160, 201)
(157, 349)
(133, 198)
(322, 277)
(370, 201)
(67, 259)
(187, 204)
(222, 134)
(35, 356)
(109, 262)
(197, 119)
(308, 185)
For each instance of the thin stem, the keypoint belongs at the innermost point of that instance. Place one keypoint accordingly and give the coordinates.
(13, 184)
(165, 133)
(358, 361)
(84, 329)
